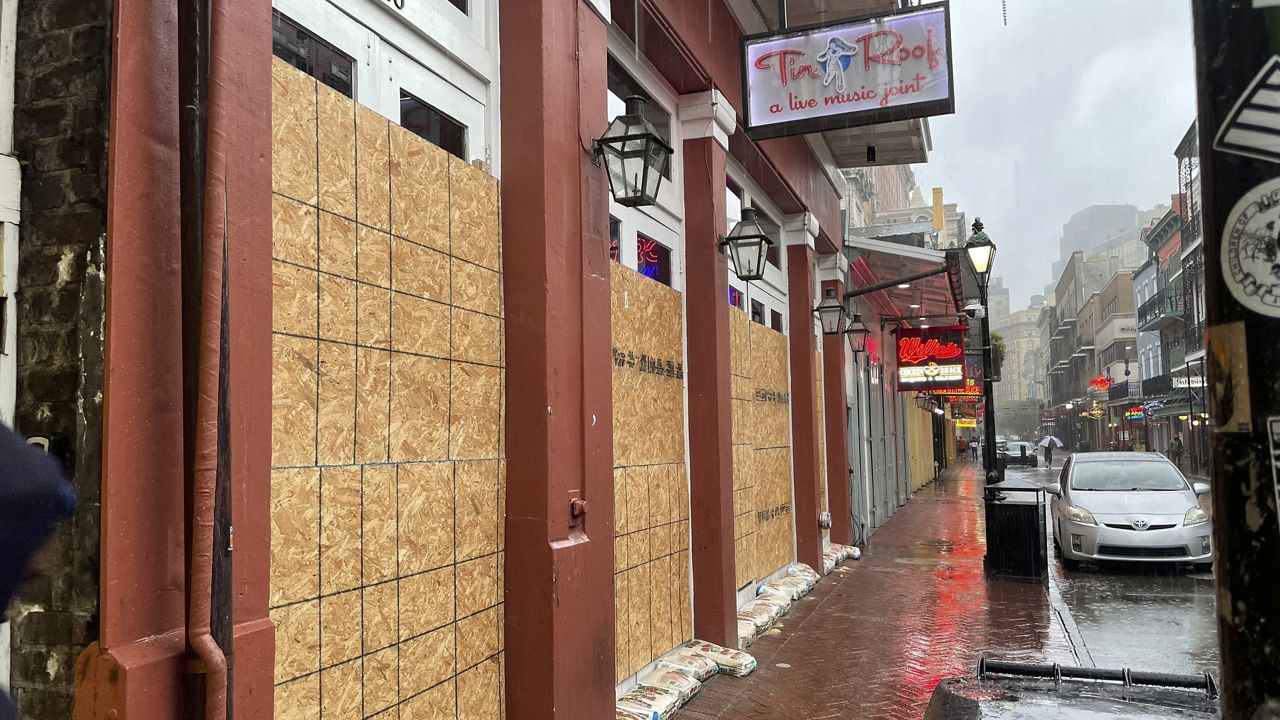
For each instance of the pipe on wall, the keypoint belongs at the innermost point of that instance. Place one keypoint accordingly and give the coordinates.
(209, 369)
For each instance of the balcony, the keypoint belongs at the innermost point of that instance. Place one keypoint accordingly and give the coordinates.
(1157, 386)
(1193, 338)
(1163, 310)
(1122, 391)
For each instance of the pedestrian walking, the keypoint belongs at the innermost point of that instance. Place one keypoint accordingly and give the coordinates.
(1048, 456)
(1176, 450)
(973, 448)
(962, 448)
(34, 497)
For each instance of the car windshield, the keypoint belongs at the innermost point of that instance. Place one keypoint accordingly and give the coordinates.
(1126, 476)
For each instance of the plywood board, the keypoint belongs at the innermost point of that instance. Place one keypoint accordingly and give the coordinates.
(388, 380)
(651, 497)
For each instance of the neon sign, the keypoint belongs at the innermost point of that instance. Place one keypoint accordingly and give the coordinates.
(914, 350)
(931, 359)
(653, 259)
(1135, 413)
(1102, 382)
(894, 66)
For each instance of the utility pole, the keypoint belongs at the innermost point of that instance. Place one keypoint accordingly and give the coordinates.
(1237, 42)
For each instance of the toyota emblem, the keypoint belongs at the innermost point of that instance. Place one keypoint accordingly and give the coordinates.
(1140, 524)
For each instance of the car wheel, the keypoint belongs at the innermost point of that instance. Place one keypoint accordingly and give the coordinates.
(1070, 564)
(1205, 567)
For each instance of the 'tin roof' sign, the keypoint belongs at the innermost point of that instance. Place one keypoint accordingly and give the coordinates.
(861, 72)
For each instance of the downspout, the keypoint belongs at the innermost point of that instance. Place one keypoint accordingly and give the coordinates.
(209, 369)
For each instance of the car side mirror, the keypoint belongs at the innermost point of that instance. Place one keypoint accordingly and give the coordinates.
(1201, 488)
(1053, 490)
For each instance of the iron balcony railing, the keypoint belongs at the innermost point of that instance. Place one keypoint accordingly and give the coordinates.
(1122, 390)
(1164, 308)
(1193, 338)
(1157, 386)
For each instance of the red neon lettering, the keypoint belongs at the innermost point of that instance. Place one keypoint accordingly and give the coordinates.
(895, 53)
(914, 350)
(787, 68)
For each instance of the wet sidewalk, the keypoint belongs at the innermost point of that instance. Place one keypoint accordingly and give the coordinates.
(874, 637)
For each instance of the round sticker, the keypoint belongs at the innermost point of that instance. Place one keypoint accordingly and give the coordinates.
(1251, 249)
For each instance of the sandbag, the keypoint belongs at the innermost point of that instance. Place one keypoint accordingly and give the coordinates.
(677, 681)
(621, 713)
(747, 632)
(730, 661)
(653, 699)
(805, 572)
(689, 662)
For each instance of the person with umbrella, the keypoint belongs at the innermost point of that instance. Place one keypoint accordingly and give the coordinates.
(1049, 442)
(34, 498)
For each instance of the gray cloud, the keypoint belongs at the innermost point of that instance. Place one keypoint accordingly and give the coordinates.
(1075, 103)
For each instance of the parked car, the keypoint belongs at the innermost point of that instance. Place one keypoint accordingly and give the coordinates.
(1130, 507)
(1018, 453)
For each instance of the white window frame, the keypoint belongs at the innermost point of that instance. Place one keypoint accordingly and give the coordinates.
(10, 202)
(663, 222)
(772, 290)
(452, 67)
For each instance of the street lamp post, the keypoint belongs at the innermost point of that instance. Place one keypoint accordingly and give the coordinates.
(981, 252)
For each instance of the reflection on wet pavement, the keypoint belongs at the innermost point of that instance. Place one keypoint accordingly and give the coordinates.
(875, 637)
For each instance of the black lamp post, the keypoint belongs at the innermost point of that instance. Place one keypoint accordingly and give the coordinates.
(748, 246)
(635, 156)
(981, 253)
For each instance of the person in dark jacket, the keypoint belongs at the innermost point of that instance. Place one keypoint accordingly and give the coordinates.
(34, 498)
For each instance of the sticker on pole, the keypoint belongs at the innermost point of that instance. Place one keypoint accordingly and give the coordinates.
(1252, 128)
(1251, 249)
(1273, 430)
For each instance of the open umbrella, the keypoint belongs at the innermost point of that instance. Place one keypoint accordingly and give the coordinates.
(1050, 439)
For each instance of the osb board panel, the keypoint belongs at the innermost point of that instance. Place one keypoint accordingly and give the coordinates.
(763, 521)
(651, 491)
(648, 370)
(388, 479)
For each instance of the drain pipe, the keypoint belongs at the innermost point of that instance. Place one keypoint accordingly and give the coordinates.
(206, 437)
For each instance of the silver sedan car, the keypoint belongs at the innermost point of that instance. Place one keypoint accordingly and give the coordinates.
(1128, 506)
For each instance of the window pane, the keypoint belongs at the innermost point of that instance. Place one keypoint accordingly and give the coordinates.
(735, 297)
(775, 320)
(653, 259)
(615, 239)
(313, 56)
(621, 86)
(460, 4)
(432, 125)
(757, 311)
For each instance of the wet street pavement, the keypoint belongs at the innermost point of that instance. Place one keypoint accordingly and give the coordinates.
(875, 637)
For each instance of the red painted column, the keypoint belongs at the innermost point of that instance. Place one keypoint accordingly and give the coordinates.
(804, 404)
(834, 351)
(710, 394)
(559, 570)
(135, 670)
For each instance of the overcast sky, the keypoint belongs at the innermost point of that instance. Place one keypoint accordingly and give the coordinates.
(1075, 103)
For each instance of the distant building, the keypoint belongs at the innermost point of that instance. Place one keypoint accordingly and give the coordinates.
(998, 300)
(1021, 345)
(955, 229)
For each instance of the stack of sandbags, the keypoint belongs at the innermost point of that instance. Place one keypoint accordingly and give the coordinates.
(730, 661)
(621, 713)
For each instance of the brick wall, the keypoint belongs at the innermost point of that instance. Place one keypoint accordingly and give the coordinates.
(60, 138)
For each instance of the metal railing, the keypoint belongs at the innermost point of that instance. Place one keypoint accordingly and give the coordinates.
(1193, 338)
